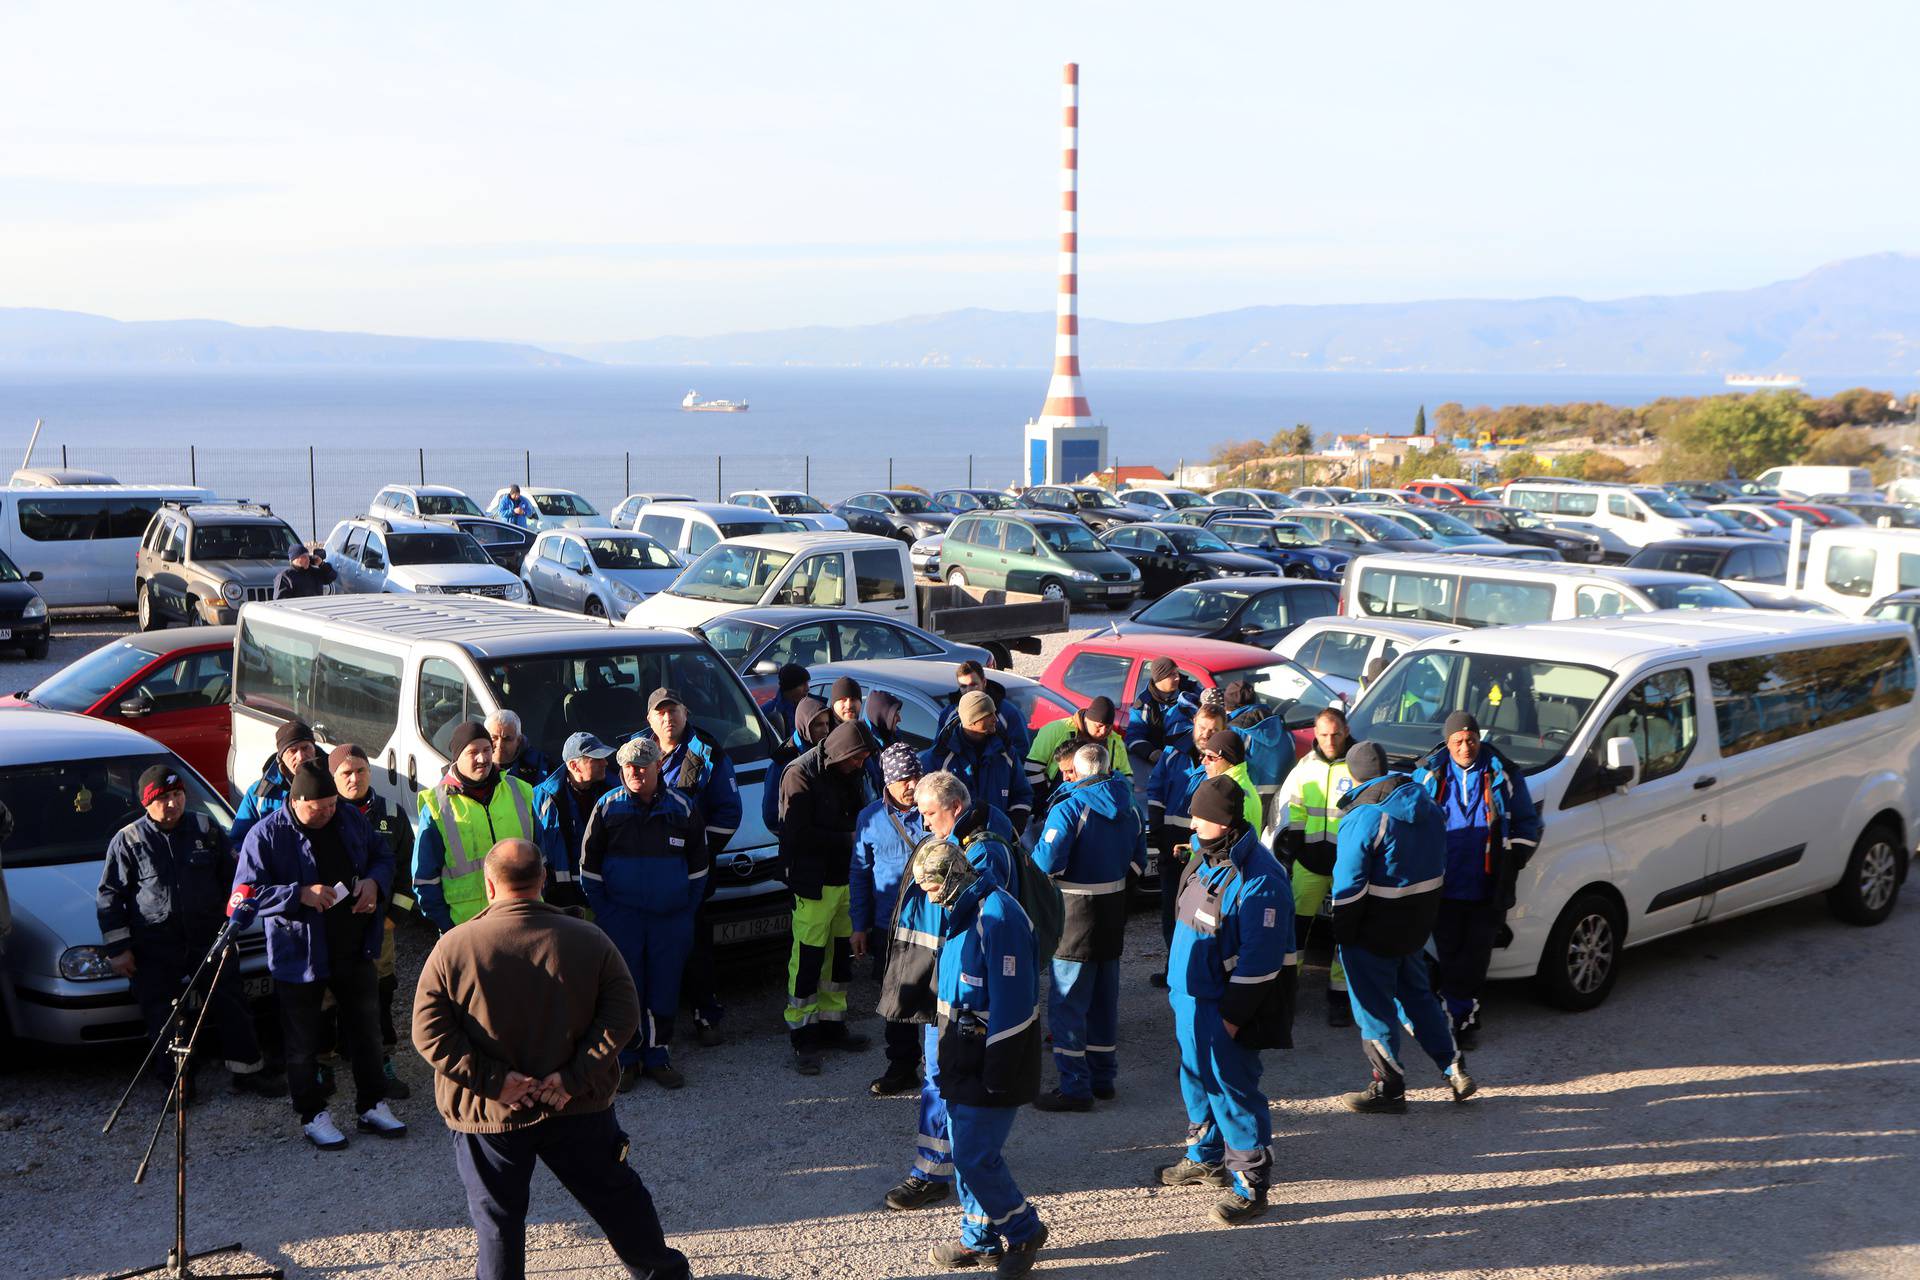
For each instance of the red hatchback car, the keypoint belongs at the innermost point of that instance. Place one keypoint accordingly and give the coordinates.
(1115, 666)
(170, 685)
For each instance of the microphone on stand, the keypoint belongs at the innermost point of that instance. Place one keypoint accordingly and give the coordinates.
(241, 911)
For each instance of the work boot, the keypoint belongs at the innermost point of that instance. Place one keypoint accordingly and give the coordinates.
(896, 1080)
(916, 1192)
(664, 1076)
(847, 1041)
(1378, 1098)
(1234, 1208)
(1466, 1027)
(806, 1063)
(1159, 980)
(953, 1255)
(708, 1034)
(1017, 1259)
(1104, 1092)
(1054, 1100)
(629, 1078)
(396, 1087)
(1339, 1009)
(1193, 1173)
(1462, 1084)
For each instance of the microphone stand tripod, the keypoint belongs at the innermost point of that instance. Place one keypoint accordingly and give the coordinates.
(178, 1265)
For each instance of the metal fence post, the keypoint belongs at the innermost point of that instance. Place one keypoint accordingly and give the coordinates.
(423, 464)
(969, 471)
(806, 472)
(889, 467)
(313, 499)
(193, 466)
(529, 468)
(63, 456)
(626, 472)
(719, 477)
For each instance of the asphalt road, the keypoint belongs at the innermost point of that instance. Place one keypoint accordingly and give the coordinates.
(1743, 1106)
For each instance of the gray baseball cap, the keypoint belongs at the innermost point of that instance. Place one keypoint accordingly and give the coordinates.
(584, 746)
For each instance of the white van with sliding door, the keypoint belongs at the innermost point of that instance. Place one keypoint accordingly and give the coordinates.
(862, 571)
(1849, 567)
(1636, 514)
(84, 537)
(1686, 768)
(1482, 591)
(397, 674)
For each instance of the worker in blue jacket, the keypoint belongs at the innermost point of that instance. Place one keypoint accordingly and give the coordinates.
(813, 721)
(515, 508)
(563, 802)
(163, 891)
(971, 677)
(1270, 746)
(1162, 712)
(1387, 876)
(321, 877)
(1230, 980)
(989, 1053)
(792, 691)
(694, 763)
(1092, 841)
(909, 986)
(1492, 831)
(293, 746)
(1176, 776)
(975, 746)
(884, 837)
(644, 866)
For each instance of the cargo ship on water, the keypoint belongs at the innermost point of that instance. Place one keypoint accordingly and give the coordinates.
(1769, 381)
(694, 404)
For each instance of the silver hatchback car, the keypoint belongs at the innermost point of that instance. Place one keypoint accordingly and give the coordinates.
(601, 572)
(68, 781)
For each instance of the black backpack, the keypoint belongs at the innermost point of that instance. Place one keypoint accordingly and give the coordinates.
(1038, 896)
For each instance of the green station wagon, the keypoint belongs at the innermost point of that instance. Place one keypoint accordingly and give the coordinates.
(1052, 556)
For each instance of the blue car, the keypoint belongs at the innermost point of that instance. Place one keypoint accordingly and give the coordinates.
(1285, 544)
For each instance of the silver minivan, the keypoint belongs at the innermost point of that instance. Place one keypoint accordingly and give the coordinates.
(83, 537)
(598, 571)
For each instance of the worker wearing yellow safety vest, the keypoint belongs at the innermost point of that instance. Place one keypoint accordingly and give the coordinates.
(461, 817)
(1306, 814)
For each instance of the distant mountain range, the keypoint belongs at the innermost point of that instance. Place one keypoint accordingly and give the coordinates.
(1857, 317)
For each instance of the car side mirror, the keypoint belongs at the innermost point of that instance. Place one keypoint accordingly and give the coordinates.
(34, 575)
(584, 570)
(133, 708)
(765, 667)
(1622, 767)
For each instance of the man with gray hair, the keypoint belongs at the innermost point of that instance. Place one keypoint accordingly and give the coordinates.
(522, 1013)
(1091, 841)
(513, 754)
(644, 867)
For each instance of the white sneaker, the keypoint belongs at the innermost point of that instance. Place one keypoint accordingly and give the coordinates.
(379, 1120)
(321, 1132)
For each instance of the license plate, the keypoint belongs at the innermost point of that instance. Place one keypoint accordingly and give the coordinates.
(257, 988)
(1116, 591)
(751, 930)
(6, 633)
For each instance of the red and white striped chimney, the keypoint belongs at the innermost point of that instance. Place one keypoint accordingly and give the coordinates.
(1066, 400)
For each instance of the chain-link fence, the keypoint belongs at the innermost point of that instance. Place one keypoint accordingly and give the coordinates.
(314, 488)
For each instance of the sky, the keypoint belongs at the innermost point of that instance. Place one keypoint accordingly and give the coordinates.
(588, 172)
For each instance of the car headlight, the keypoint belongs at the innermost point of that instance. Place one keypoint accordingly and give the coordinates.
(516, 591)
(233, 593)
(623, 592)
(420, 590)
(1319, 563)
(36, 608)
(85, 964)
(1220, 572)
(1133, 573)
(1081, 575)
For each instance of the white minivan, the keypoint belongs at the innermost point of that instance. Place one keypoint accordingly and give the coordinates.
(688, 528)
(1636, 514)
(1807, 481)
(398, 674)
(1849, 567)
(1482, 591)
(1686, 769)
(84, 537)
(861, 571)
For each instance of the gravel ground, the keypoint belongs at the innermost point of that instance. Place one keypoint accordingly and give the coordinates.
(1743, 1106)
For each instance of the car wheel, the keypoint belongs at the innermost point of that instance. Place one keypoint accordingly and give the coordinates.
(35, 652)
(532, 603)
(1870, 885)
(1119, 606)
(143, 607)
(956, 578)
(1297, 571)
(1582, 958)
(594, 608)
(1053, 589)
(194, 618)
(1002, 656)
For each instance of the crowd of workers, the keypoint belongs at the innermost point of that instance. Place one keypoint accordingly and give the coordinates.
(983, 877)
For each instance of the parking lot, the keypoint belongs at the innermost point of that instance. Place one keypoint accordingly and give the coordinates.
(1743, 1105)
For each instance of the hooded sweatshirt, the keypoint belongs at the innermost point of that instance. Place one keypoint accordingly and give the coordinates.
(813, 720)
(819, 809)
(1093, 837)
(1391, 863)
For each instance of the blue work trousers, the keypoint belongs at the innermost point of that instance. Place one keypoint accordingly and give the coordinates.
(655, 946)
(993, 1213)
(1387, 991)
(933, 1149)
(1083, 1016)
(587, 1153)
(1227, 1120)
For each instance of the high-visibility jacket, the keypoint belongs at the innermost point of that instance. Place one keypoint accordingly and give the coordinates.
(1307, 813)
(455, 833)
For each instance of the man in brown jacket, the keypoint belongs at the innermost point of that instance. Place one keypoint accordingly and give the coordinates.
(521, 1012)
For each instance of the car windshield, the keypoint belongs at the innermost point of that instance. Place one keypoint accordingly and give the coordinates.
(732, 574)
(1182, 501)
(1197, 540)
(1694, 595)
(447, 504)
(491, 534)
(434, 548)
(605, 693)
(1724, 520)
(737, 528)
(1839, 515)
(1530, 709)
(990, 501)
(1453, 526)
(1294, 535)
(635, 551)
(736, 639)
(1193, 608)
(1099, 499)
(9, 571)
(83, 683)
(563, 504)
(66, 811)
(796, 504)
(912, 504)
(1382, 528)
(1285, 689)
(1524, 520)
(1068, 537)
(1663, 503)
(1681, 560)
(251, 541)
(1027, 699)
